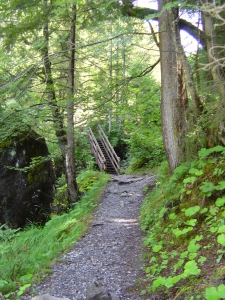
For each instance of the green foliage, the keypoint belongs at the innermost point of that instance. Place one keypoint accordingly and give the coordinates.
(87, 179)
(84, 157)
(26, 255)
(185, 213)
(213, 293)
(191, 210)
(143, 125)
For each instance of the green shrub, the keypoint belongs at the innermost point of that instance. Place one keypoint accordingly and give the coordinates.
(184, 220)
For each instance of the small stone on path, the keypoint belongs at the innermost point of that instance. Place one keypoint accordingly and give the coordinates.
(48, 297)
(95, 291)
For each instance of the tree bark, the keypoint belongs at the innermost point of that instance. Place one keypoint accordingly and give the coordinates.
(72, 187)
(189, 78)
(57, 116)
(174, 96)
(212, 51)
(214, 46)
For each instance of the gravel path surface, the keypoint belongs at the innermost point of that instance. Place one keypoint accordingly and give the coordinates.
(110, 252)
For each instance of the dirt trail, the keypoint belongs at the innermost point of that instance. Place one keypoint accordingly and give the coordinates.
(110, 252)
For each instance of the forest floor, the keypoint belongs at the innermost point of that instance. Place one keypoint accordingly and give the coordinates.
(110, 253)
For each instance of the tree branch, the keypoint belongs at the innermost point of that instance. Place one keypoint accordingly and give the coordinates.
(145, 72)
(128, 9)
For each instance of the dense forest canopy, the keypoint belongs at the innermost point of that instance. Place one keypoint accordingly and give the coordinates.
(66, 64)
(69, 65)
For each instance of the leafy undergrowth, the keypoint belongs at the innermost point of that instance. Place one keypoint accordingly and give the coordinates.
(185, 222)
(26, 255)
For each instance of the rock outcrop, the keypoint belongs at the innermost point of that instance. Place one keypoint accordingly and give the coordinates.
(25, 196)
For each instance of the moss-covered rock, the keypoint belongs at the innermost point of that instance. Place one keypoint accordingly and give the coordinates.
(26, 188)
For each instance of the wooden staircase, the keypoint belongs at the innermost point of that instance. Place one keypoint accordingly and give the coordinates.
(104, 154)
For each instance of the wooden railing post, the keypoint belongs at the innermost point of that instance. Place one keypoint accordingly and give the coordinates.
(96, 150)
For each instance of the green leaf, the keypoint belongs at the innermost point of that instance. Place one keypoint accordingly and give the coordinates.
(191, 222)
(170, 281)
(211, 161)
(199, 237)
(221, 239)
(199, 173)
(192, 255)
(172, 216)
(221, 290)
(191, 210)
(204, 210)
(195, 171)
(220, 186)
(193, 247)
(179, 172)
(202, 259)
(211, 293)
(26, 277)
(192, 171)
(143, 292)
(213, 210)
(189, 179)
(179, 263)
(218, 149)
(221, 229)
(23, 288)
(191, 268)
(207, 188)
(153, 259)
(156, 283)
(3, 283)
(162, 212)
(213, 229)
(156, 248)
(220, 201)
(178, 232)
(184, 254)
(205, 152)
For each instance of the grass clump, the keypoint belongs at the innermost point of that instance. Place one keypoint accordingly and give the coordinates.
(25, 256)
(184, 220)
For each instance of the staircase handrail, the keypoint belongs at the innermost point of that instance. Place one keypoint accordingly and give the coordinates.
(115, 160)
(96, 150)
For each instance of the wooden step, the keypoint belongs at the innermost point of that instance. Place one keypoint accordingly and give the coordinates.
(109, 167)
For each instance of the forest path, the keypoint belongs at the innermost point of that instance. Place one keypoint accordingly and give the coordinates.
(111, 252)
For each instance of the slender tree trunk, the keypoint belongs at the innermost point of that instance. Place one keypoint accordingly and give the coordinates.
(58, 119)
(122, 95)
(110, 114)
(174, 96)
(70, 153)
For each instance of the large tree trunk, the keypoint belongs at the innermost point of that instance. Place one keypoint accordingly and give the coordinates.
(174, 96)
(70, 153)
(188, 74)
(213, 52)
(214, 47)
